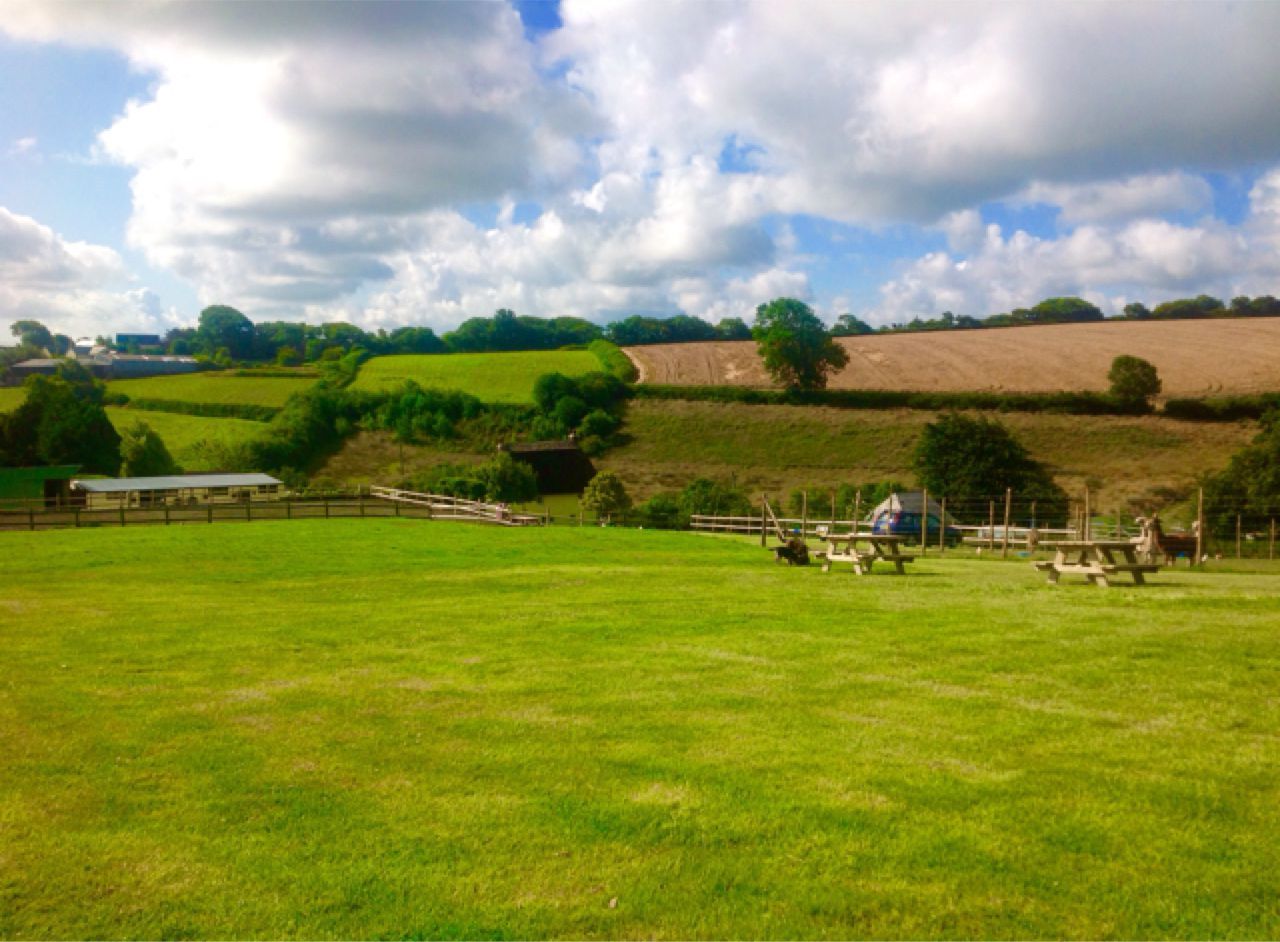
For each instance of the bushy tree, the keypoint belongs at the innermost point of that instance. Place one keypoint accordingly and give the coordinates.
(143, 453)
(733, 328)
(506, 479)
(605, 495)
(970, 459)
(705, 496)
(1249, 485)
(662, 512)
(61, 421)
(795, 346)
(224, 327)
(847, 325)
(1133, 379)
(32, 334)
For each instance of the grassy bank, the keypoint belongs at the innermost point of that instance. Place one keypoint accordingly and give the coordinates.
(183, 434)
(215, 388)
(492, 377)
(400, 728)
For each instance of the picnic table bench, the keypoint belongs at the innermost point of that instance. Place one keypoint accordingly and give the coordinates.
(863, 549)
(1095, 560)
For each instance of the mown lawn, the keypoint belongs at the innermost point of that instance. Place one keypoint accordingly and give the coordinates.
(220, 388)
(398, 728)
(493, 377)
(184, 434)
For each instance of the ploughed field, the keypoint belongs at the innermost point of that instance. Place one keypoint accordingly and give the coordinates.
(369, 728)
(492, 377)
(1193, 358)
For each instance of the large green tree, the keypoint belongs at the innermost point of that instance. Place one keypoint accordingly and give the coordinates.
(221, 326)
(143, 453)
(796, 348)
(971, 461)
(33, 334)
(1133, 379)
(61, 421)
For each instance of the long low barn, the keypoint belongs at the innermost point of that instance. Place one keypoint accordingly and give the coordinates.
(175, 489)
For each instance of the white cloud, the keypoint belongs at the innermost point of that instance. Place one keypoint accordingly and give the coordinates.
(331, 159)
(73, 287)
(1149, 260)
(23, 147)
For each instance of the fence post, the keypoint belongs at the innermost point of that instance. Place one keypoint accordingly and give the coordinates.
(326, 508)
(31, 518)
(288, 508)
(804, 514)
(763, 525)
(1200, 526)
(1271, 543)
(361, 499)
(1088, 522)
(77, 513)
(857, 509)
(1238, 556)
(991, 526)
(122, 515)
(166, 515)
(396, 505)
(1008, 506)
(924, 522)
(942, 529)
(248, 510)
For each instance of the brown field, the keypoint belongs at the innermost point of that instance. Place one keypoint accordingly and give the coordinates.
(1194, 358)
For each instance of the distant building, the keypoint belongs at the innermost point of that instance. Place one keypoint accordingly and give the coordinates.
(560, 466)
(84, 348)
(142, 340)
(174, 489)
(40, 366)
(123, 365)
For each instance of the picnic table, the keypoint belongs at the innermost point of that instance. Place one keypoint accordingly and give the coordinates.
(1096, 560)
(863, 549)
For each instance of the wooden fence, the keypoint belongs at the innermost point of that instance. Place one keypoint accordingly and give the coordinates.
(444, 507)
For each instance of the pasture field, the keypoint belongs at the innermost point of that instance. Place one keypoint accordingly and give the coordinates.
(216, 388)
(183, 433)
(399, 728)
(493, 377)
(1194, 358)
(11, 397)
(776, 448)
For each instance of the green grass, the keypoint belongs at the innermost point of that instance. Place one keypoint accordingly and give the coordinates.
(397, 728)
(493, 377)
(219, 388)
(11, 397)
(183, 434)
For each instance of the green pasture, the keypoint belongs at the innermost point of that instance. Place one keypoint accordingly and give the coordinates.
(183, 434)
(404, 729)
(11, 397)
(215, 388)
(493, 377)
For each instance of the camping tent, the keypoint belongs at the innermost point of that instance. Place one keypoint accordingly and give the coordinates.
(900, 513)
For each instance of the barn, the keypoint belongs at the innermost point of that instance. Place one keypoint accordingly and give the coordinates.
(175, 489)
(560, 466)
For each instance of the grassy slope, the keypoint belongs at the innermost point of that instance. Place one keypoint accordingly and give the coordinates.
(494, 377)
(776, 448)
(446, 731)
(11, 397)
(214, 388)
(181, 433)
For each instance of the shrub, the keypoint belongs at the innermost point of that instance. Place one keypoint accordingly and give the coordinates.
(1133, 379)
(605, 495)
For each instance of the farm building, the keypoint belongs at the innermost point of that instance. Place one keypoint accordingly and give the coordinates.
(560, 466)
(31, 487)
(110, 493)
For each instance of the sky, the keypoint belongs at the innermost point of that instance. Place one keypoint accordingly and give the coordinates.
(421, 163)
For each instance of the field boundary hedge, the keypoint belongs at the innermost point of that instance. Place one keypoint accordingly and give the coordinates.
(1224, 409)
(1069, 403)
(614, 360)
(222, 410)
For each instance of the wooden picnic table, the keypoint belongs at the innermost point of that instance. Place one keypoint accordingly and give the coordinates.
(863, 549)
(1096, 560)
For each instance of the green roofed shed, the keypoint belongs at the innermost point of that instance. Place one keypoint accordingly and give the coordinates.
(29, 487)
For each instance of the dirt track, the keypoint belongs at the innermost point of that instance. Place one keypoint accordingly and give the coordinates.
(1194, 358)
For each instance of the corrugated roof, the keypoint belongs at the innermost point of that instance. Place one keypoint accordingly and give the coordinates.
(173, 482)
(526, 447)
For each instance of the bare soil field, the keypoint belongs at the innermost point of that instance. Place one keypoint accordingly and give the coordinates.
(1194, 358)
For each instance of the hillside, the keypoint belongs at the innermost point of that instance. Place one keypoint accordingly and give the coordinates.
(493, 377)
(1194, 358)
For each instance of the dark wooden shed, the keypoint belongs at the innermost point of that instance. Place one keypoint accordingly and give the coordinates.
(560, 466)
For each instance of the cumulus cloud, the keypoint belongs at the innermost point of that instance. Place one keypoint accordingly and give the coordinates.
(73, 287)
(1148, 260)
(395, 162)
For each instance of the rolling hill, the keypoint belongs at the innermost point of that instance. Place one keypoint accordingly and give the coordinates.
(1194, 358)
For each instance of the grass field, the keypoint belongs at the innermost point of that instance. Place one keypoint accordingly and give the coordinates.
(182, 433)
(493, 377)
(395, 728)
(776, 448)
(11, 397)
(220, 388)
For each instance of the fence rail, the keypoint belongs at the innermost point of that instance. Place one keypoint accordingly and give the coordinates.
(444, 507)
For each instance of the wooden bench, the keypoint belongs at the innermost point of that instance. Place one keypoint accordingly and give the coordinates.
(863, 549)
(1096, 561)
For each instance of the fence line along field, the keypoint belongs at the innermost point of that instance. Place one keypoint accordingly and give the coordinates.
(215, 388)
(493, 377)
(370, 728)
(1193, 358)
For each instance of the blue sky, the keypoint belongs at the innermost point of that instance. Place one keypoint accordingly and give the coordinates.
(423, 163)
